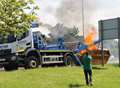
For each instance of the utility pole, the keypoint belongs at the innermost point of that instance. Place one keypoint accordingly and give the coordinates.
(82, 6)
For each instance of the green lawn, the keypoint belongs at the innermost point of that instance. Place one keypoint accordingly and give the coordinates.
(60, 77)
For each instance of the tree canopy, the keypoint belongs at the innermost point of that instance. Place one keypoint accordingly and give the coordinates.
(14, 16)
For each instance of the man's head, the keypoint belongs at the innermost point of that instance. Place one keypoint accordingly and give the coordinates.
(86, 53)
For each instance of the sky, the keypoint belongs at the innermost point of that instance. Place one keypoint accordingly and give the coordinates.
(97, 9)
(47, 10)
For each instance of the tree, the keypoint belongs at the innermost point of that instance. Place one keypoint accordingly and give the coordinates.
(14, 18)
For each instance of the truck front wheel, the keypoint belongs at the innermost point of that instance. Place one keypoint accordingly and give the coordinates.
(11, 66)
(68, 60)
(31, 62)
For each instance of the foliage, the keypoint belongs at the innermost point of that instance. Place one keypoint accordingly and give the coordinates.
(14, 18)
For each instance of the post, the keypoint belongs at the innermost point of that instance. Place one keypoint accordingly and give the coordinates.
(102, 53)
(119, 39)
(101, 35)
(83, 18)
(119, 50)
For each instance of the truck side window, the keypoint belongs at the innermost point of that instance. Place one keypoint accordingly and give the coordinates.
(23, 36)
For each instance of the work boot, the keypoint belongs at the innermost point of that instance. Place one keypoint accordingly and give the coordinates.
(91, 84)
(87, 84)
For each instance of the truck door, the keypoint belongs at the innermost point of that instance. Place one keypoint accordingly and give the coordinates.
(23, 42)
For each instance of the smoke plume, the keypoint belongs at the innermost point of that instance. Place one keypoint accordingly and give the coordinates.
(61, 31)
(70, 12)
(112, 45)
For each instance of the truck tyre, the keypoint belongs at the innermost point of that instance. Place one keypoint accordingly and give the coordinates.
(68, 61)
(31, 62)
(11, 66)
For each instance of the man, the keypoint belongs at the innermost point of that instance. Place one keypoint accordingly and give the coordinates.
(87, 68)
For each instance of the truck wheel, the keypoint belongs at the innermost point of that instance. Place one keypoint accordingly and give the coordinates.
(32, 62)
(68, 60)
(10, 67)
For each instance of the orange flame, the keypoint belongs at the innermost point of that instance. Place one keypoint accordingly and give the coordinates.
(89, 41)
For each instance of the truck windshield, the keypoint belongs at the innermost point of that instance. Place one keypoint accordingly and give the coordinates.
(7, 39)
(11, 38)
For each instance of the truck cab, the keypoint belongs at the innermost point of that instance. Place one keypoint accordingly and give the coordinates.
(7, 50)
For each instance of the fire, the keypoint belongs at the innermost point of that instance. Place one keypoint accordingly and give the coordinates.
(83, 51)
(89, 41)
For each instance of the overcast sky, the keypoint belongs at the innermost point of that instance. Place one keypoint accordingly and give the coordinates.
(102, 9)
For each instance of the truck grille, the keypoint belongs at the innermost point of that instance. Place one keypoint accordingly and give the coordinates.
(5, 52)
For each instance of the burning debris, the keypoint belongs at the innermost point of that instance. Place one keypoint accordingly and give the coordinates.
(89, 40)
(89, 45)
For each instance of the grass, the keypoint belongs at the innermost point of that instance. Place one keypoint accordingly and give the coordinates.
(60, 77)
